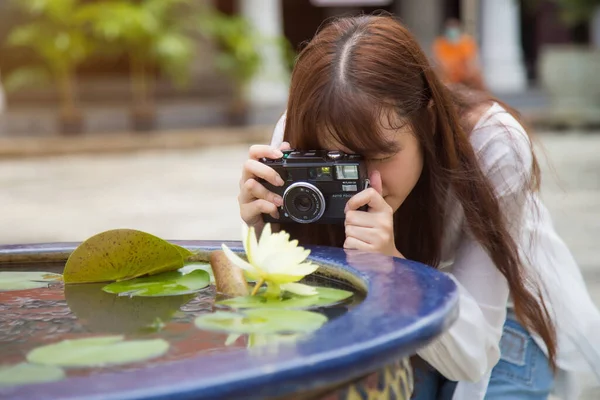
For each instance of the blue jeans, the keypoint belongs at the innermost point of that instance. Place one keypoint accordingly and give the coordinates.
(430, 384)
(523, 372)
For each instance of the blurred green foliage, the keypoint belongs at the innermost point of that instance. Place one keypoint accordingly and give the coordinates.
(156, 36)
(238, 46)
(58, 43)
(152, 33)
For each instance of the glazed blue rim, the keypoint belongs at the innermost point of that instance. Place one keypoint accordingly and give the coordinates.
(379, 331)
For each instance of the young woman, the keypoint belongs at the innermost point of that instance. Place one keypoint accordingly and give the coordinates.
(454, 185)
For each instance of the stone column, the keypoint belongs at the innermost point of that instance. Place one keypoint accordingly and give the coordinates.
(501, 52)
(470, 17)
(270, 86)
(423, 18)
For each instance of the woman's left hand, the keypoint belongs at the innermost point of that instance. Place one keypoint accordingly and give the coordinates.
(371, 230)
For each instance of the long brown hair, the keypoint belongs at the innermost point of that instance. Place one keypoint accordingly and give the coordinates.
(354, 70)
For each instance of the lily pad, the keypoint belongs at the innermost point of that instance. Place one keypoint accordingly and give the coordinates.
(267, 321)
(106, 313)
(199, 266)
(206, 267)
(97, 352)
(24, 373)
(166, 284)
(121, 254)
(185, 253)
(21, 280)
(324, 297)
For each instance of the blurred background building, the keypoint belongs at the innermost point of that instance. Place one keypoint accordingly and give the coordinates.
(539, 55)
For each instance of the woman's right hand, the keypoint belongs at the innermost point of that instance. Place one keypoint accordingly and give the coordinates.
(254, 198)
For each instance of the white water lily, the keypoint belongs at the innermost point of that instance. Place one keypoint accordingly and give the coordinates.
(275, 260)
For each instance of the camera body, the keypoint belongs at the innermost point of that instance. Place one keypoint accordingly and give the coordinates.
(318, 184)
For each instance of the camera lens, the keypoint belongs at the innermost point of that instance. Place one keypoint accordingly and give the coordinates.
(304, 202)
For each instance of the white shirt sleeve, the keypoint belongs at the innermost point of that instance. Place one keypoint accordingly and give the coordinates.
(278, 132)
(470, 348)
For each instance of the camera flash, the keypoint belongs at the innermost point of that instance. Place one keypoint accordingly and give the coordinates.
(346, 171)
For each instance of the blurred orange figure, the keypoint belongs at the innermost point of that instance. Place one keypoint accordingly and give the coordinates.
(456, 57)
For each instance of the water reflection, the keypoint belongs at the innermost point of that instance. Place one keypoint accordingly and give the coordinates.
(36, 317)
(265, 344)
(99, 311)
(411, 302)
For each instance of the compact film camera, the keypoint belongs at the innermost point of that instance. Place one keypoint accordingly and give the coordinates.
(318, 184)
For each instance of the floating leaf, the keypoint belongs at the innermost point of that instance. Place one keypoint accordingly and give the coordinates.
(121, 254)
(21, 280)
(25, 373)
(106, 313)
(166, 284)
(97, 351)
(199, 266)
(185, 253)
(324, 297)
(267, 321)
(206, 267)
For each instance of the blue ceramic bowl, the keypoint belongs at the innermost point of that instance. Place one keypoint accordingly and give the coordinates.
(406, 306)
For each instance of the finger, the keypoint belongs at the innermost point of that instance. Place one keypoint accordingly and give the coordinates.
(361, 233)
(355, 244)
(375, 182)
(251, 212)
(253, 168)
(360, 218)
(369, 197)
(285, 146)
(252, 190)
(377, 238)
(258, 151)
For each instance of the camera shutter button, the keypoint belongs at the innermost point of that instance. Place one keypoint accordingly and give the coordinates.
(334, 155)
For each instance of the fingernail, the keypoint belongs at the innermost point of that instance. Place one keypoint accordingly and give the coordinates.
(279, 181)
(278, 200)
(277, 153)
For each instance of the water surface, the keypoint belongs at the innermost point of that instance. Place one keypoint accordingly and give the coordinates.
(35, 317)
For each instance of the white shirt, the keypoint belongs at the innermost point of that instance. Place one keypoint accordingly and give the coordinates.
(469, 350)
